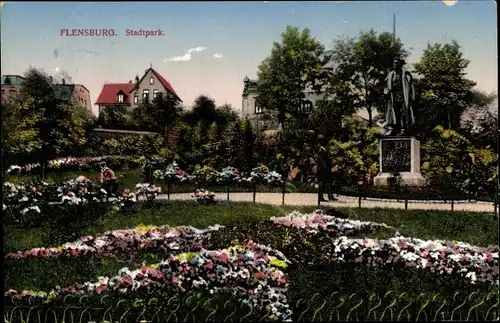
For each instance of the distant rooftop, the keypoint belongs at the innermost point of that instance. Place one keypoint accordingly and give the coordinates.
(13, 80)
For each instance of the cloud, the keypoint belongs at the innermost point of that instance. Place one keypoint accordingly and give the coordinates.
(450, 3)
(187, 56)
(184, 58)
(87, 51)
(217, 55)
(196, 49)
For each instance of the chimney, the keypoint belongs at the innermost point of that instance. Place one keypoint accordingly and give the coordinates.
(130, 82)
(63, 81)
(51, 79)
(137, 79)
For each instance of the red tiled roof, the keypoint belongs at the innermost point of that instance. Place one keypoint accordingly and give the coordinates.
(109, 93)
(165, 83)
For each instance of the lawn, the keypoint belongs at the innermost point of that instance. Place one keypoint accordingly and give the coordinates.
(312, 277)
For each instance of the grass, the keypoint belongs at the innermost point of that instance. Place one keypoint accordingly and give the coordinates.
(475, 228)
(247, 222)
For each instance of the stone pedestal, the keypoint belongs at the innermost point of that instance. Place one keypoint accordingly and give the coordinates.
(400, 155)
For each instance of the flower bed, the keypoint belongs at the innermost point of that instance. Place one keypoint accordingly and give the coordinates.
(204, 196)
(319, 221)
(253, 272)
(262, 175)
(76, 164)
(444, 257)
(125, 244)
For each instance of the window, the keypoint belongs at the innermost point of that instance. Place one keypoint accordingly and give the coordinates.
(136, 99)
(306, 107)
(151, 81)
(258, 109)
(120, 98)
(156, 93)
(145, 95)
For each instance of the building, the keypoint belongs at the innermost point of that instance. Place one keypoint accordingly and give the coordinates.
(255, 114)
(11, 84)
(132, 94)
(75, 93)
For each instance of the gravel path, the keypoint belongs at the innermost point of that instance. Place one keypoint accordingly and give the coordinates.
(343, 201)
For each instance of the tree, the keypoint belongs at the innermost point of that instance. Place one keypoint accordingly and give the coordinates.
(166, 112)
(20, 136)
(479, 121)
(445, 91)
(451, 161)
(359, 68)
(116, 117)
(225, 115)
(295, 65)
(58, 133)
(204, 109)
(327, 116)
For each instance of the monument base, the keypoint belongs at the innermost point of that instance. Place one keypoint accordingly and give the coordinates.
(406, 179)
(399, 155)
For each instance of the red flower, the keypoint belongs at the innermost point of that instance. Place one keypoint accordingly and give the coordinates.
(261, 275)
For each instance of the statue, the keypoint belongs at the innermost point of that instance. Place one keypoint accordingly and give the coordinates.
(400, 96)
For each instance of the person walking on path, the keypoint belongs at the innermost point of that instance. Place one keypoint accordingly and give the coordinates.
(107, 178)
(325, 176)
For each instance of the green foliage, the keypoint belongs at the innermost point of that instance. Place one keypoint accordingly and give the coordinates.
(126, 145)
(360, 67)
(450, 159)
(444, 89)
(295, 65)
(115, 117)
(356, 154)
(41, 123)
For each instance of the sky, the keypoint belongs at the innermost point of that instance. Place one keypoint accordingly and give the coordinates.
(209, 47)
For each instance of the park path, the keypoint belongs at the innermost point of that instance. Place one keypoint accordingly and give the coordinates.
(303, 199)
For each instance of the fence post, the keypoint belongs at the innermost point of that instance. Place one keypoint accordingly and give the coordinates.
(168, 190)
(360, 194)
(283, 194)
(227, 189)
(253, 191)
(406, 203)
(452, 204)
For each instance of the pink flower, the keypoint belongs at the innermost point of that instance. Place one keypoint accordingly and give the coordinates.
(224, 257)
(99, 289)
(261, 275)
(250, 292)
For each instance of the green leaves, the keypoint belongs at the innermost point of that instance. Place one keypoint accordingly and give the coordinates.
(295, 65)
(360, 67)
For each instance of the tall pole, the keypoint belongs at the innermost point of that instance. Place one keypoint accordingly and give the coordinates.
(394, 29)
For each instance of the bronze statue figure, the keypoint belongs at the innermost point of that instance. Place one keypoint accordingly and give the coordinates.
(400, 96)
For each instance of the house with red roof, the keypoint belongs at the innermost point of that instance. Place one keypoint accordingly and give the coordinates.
(132, 94)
